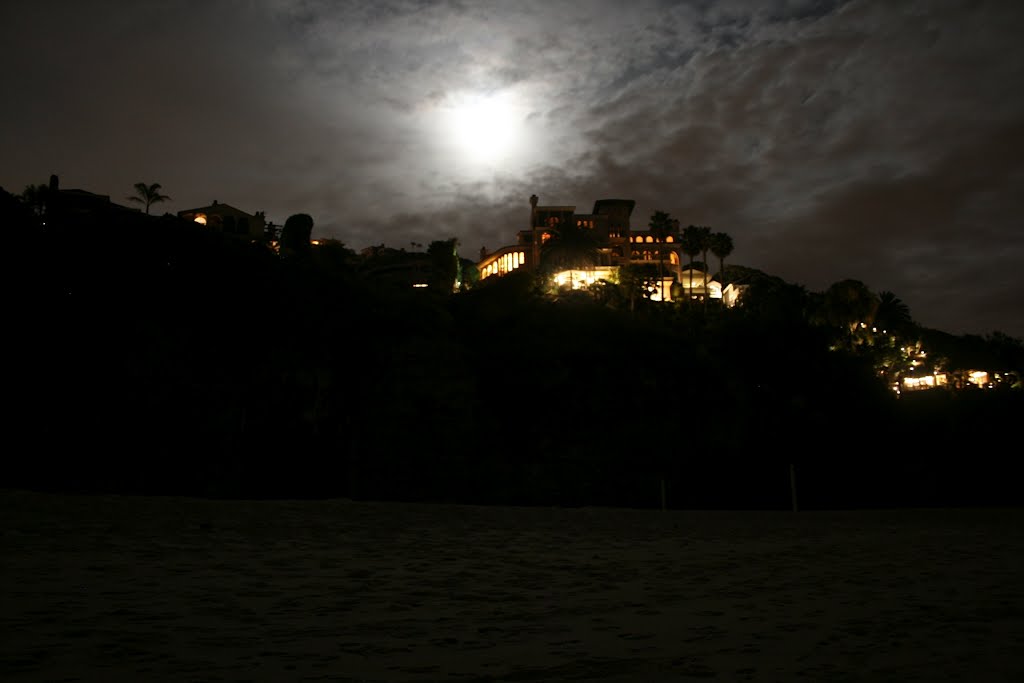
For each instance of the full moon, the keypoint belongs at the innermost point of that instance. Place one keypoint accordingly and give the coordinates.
(485, 128)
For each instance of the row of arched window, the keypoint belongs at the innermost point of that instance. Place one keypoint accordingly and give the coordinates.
(650, 239)
(648, 255)
(504, 264)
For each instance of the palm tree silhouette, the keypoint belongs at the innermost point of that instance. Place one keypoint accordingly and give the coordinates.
(893, 313)
(691, 241)
(705, 244)
(570, 247)
(147, 194)
(721, 246)
(660, 226)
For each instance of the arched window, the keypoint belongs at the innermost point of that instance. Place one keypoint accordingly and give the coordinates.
(649, 239)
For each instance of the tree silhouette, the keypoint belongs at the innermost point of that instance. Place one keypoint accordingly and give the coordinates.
(569, 247)
(445, 264)
(36, 197)
(892, 314)
(721, 246)
(692, 241)
(704, 235)
(147, 194)
(848, 304)
(660, 226)
(295, 235)
(635, 280)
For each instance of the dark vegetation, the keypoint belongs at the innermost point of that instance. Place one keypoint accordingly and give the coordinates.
(150, 355)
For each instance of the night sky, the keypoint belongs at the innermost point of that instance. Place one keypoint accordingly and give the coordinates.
(880, 141)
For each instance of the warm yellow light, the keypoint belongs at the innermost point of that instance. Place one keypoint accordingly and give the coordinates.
(200, 219)
(978, 377)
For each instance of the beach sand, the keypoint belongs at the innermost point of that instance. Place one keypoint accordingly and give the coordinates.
(110, 588)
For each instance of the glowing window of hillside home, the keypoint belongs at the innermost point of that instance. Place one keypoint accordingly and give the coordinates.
(669, 239)
(200, 219)
(649, 239)
(522, 257)
(673, 258)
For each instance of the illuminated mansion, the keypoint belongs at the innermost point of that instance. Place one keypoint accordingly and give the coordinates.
(617, 242)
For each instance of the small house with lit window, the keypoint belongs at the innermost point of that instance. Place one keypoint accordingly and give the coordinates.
(227, 219)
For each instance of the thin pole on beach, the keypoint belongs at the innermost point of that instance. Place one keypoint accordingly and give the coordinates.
(792, 487)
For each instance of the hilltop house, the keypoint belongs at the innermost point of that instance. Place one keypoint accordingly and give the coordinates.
(227, 219)
(618, 244)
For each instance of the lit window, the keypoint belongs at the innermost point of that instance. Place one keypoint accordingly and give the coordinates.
(649, 239)
(200, 219)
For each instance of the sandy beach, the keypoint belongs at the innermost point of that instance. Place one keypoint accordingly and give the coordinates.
(109, 588)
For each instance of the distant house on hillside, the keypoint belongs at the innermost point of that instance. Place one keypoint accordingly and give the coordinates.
(396, 268)
(75, 202)
(228, 219)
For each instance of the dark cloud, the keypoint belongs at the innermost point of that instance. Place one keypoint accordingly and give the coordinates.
(865, 139)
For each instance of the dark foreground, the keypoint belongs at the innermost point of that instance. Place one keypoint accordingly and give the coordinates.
(172, 589)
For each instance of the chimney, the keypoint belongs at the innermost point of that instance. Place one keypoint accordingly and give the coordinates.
(54, 183)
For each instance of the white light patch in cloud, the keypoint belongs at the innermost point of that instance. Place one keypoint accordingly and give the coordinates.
(482, 132)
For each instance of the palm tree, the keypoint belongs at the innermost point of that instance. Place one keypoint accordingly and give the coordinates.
(721, 246)
(692, 243)
(147, 194)
(705, 244)
(892, 314)
(660, 226)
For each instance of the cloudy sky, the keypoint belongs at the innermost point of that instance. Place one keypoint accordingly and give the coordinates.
(876, 140)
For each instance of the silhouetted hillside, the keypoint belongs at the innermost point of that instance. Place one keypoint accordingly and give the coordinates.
(153, 356)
